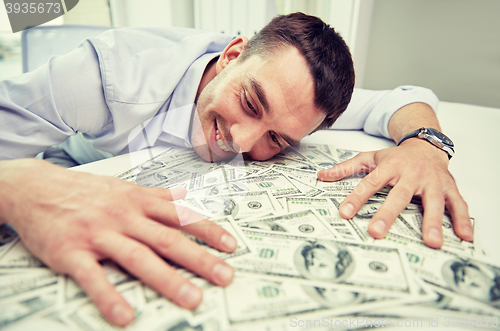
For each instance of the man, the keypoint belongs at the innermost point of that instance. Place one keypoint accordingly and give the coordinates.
(256, 97)
(323, 261)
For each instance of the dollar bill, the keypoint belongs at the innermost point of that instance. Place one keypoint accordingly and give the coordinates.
(18, 256)
(326, 209)
(19, 284)
(270, 299)
(39, 304)
(346, 154)
(303, 223)
(322, 261)
(240, 205)
(470, 277)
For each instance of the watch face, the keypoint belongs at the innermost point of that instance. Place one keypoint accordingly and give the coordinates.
(441, 136)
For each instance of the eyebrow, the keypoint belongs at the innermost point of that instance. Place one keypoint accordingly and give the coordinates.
(261, 95)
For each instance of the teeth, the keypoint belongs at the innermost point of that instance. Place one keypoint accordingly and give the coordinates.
(220, 143)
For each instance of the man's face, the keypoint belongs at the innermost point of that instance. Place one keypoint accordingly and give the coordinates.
(474, 283)
(257, 107)
(321, 263)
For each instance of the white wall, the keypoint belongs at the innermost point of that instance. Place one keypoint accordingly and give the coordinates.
(450, 46)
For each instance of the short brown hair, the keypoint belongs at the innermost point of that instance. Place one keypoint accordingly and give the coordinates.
(325, 51)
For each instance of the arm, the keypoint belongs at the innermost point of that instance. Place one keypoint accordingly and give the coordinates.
(414, 168)
(72, 220)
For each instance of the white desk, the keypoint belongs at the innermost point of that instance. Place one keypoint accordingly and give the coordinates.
(476, 133)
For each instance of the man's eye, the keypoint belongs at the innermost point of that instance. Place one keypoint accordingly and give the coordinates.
(275, 139)
(249, 104)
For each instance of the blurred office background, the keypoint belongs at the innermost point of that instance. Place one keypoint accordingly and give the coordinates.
(450, 46)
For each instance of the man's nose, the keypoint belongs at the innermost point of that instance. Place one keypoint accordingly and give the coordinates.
(246, 135)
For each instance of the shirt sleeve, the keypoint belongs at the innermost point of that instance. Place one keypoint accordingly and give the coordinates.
(371, 110)
(44, 107)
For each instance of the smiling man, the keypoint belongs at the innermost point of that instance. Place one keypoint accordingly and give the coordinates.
(212, 92)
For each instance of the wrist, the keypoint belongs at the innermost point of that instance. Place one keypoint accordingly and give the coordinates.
(423, 147)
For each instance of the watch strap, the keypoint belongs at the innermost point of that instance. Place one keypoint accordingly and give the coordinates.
(427, 134)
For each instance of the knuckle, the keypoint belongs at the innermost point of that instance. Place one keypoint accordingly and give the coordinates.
(134, 255)
(204, 261)
(373, 180)
(402, 193)
(166, 240)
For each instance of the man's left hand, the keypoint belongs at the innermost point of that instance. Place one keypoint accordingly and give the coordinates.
(414, 168)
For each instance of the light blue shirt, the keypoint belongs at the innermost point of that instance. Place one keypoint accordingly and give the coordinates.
(131, 88)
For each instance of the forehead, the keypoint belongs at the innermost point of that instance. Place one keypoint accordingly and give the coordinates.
(289, 87)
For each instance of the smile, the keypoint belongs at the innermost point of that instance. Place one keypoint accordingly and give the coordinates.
(220, 142)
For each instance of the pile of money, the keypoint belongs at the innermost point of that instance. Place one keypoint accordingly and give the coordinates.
(299, 265)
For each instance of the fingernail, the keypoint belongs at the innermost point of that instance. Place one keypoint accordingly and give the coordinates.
(228, 242)
(178, 193)
(348, 210)
(223, 272)
(434, 235)
(379, 227)
(122, 315)
(467, 230)
(189, 295)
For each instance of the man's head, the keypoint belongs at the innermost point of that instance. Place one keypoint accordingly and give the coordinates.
(325, 263)
(476, 281)
(294, 77)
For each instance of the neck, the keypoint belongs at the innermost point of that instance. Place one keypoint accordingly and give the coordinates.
(208, 75)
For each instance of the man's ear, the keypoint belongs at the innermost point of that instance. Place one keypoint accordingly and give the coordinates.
(231, 52)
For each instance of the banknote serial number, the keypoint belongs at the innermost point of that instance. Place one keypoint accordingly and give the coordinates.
(471, 322)
(33, 7)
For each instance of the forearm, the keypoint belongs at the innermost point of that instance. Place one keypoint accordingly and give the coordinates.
(411, 117)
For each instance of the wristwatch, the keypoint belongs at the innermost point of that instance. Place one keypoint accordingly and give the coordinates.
(433, 136)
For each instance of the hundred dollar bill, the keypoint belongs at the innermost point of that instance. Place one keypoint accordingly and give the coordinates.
(228, 224)
(322, 261)
(339, 188)
(319, 158)
(330, 150)
(240, 205)
(326, 209)
(40, 304)
(87, 317)
(270, 299)
(13, 286)
(346, 154)
(18, 256)
(287, 162)
(472, 278)
(414, 217)
(277, 185)
(303, 223)
(308, 190)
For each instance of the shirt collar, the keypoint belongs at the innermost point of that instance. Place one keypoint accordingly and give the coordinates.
(178, 120)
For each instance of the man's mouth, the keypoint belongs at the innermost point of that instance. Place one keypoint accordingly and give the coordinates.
(218, 144)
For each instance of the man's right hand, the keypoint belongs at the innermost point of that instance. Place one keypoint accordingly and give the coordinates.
(72, 220)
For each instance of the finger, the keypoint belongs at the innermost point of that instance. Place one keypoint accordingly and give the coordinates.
(91, 276)
(181, 217)
(397, 200)
(361, 162)
(212, 234)
(432, 223)
(169, 195)
(367, 187)
(175, 246)
(459, 214)
(143, 263)
(169, 213)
